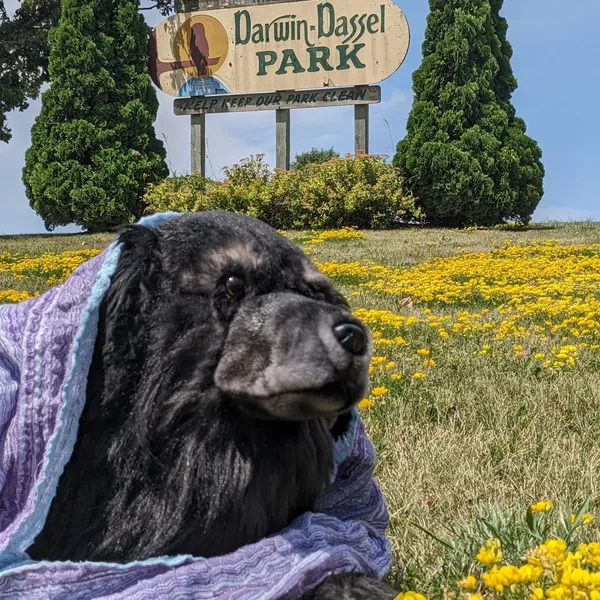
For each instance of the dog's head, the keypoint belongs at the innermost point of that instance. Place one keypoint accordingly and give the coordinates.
(231, 308)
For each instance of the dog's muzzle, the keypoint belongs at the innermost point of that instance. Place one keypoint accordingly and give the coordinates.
(292, 357)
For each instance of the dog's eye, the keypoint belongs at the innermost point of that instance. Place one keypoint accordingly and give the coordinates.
(235, 286)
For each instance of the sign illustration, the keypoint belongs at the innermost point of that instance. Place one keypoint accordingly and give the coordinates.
(278, 47)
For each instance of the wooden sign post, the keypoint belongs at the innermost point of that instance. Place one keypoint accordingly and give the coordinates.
(282, 103)
(361, 129)
(282, 138)
(198, 145)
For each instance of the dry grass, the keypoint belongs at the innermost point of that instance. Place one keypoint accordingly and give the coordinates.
(479, 429)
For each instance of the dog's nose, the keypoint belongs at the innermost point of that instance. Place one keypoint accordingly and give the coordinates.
(351, 337)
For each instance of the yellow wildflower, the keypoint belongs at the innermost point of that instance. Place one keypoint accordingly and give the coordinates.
(379, 391)
(491, 553)
(586, 518)
(542, 506)
(468, 583)
(410, 596)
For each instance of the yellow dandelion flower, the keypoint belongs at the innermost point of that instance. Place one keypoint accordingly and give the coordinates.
(410, 596)
(537, 594)
(423, 352)
(419, 375)
(586, 518)
(491, 553)
(365, 403)
(379, 391)
(396, 376)
(468, 583)
(542, 506)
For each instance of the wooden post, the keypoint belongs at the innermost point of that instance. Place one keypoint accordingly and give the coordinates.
(282, 138)
(198, 146)
(361, 129)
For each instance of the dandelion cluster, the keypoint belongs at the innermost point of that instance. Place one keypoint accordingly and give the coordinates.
(515, 291)
(49, 268)
(536, 303)
(332, 235)
(548, 570)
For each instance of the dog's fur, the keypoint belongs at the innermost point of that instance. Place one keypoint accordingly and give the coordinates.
(212, 403)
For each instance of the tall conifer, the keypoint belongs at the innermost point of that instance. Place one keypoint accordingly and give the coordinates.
(466, 155)
(94, 148)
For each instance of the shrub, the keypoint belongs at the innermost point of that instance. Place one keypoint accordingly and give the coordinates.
(176, 193)
(364, 192)
(313, 156)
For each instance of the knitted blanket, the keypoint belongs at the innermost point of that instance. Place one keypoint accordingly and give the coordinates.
(46, 347)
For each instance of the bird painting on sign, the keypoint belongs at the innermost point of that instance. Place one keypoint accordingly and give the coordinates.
(196, 60)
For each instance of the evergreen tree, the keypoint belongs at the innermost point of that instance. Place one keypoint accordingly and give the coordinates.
(24, 52)
(466, 155)
(23, 56)
(94, 147)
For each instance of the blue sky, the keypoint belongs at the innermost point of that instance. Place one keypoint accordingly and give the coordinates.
(556, 61)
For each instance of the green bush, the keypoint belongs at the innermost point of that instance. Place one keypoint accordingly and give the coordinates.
(364, 192)
(176, 193)
(313, 156)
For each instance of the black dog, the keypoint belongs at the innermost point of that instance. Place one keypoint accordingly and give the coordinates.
(224, 367)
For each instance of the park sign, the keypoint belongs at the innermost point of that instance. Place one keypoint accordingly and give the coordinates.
(306, 44)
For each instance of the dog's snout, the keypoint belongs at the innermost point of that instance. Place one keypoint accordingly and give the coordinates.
(351, 337)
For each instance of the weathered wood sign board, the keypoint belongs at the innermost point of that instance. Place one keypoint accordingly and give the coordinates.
(220, 56)
(277, 100)
(278, 46)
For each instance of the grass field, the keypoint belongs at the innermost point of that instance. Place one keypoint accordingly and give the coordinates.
(485, 385)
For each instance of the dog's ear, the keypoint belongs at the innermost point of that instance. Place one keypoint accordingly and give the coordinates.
(124, 313)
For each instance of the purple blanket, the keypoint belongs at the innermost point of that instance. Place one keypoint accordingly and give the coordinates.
(46, 349)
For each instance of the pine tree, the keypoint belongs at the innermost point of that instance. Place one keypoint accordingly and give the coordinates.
(94, 148)
(466, 155)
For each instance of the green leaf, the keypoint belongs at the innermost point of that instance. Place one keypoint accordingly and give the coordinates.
(448, 544)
